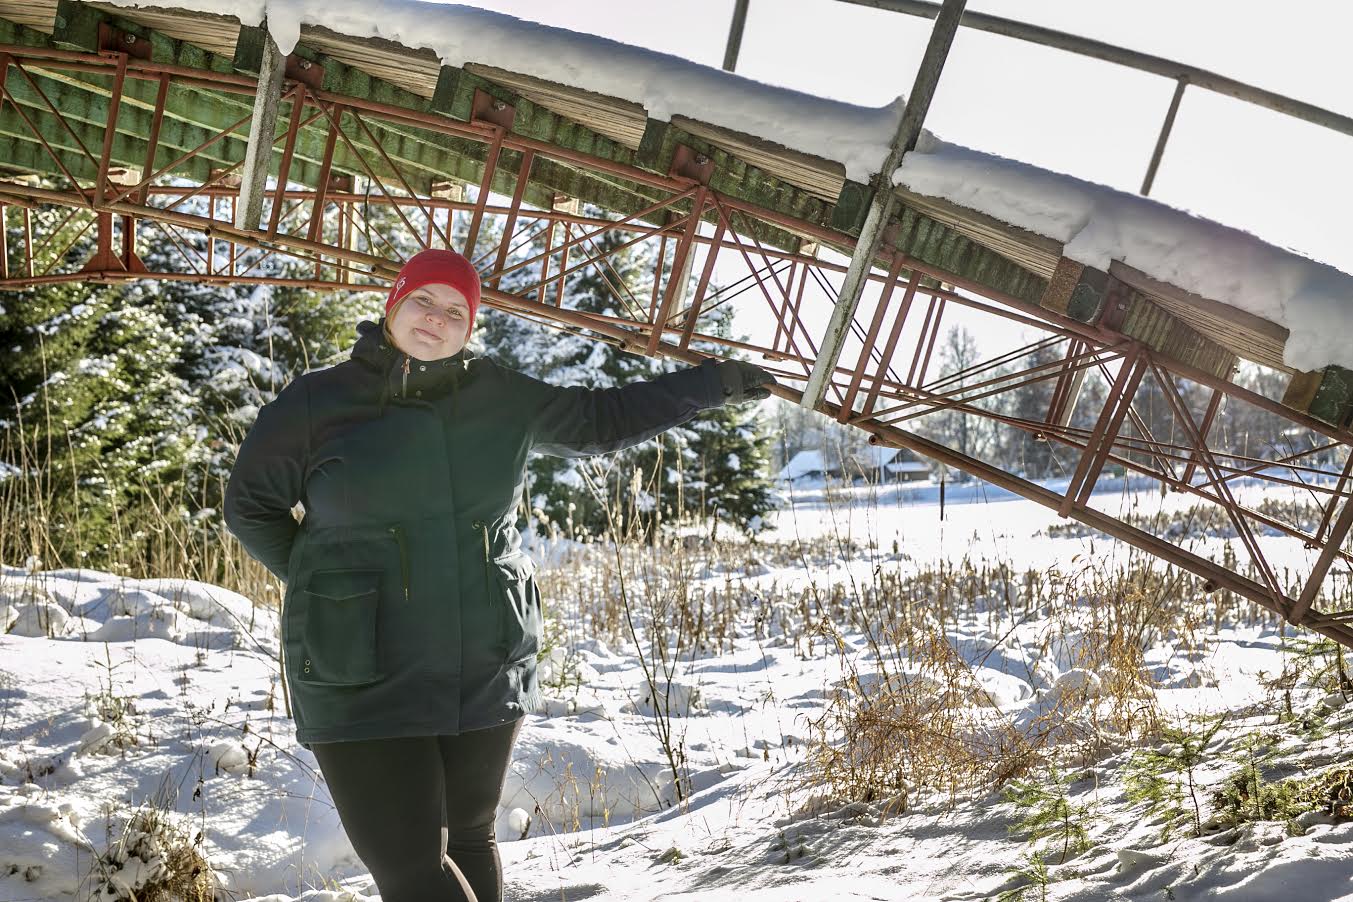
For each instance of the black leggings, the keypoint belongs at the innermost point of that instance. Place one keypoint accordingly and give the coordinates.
(406, 803)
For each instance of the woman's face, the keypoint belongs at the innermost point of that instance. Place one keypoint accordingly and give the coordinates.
(431, 322)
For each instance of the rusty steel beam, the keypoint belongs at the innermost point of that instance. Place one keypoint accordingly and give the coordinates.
(678, 275)
(1106, 429)
(880, 312)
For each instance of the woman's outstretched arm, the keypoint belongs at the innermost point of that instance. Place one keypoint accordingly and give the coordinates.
(577, 421)
(267, 479)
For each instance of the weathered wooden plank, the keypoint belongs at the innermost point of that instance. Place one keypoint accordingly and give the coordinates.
(1091, 295)
(35, 14)
(262, 129)
(1250, 337)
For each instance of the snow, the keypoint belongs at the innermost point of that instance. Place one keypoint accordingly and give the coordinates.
(1096, 224)
(805, 463)
(179, 713)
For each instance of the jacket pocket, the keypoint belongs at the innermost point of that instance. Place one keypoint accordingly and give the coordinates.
(520, 603)
(337, 615)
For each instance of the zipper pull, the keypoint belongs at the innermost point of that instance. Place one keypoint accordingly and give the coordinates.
(405, 391)
(478, 524)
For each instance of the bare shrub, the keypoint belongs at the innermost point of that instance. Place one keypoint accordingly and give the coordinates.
(153, 860)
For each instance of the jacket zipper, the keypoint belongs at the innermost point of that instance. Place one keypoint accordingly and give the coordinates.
(398, 533)
(405, 379)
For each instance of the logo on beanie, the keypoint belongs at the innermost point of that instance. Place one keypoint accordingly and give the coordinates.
(400, 284)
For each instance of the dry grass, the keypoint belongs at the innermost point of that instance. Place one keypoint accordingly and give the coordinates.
(167, 531)
(154, 860)
(911, 718)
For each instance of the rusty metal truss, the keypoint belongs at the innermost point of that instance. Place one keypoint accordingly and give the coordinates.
(118, 138)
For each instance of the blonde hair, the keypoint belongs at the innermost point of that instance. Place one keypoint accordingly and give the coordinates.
(385, 323)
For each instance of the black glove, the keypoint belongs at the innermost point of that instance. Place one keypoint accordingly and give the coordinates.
(743, 381)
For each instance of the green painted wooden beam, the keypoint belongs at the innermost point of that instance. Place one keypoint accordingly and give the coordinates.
(216, 110)
(1325, 394)
(1333, 400)
(20, 152)
(1091, 295)
(89, 109)
(932, 242)
(852, 205)
(86, 99)
(77, 25)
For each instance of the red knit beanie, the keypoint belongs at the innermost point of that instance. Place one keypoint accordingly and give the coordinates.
(437, 266)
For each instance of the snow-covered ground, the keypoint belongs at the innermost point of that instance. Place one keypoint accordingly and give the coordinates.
(119, 696)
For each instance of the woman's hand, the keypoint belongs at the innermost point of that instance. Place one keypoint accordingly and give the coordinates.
(743, 381)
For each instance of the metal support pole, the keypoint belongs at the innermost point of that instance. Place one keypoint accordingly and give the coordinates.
(1338, 490)
(730, 53)
(1164, 134)
(1209, 464)
(1213, 404)
(871, 234)
(899, 321)
(482, 199)
(694, 313)
(880, 313)
(326, 167)
(679, 273)
(1116, 406)
(1322, 564)
(563, 266)
(284, 168)
(153, 141)
(523, 176)
(1064, 393)
(110, 127)
(258, 153)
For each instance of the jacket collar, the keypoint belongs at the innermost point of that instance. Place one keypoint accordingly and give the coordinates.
(406, 376)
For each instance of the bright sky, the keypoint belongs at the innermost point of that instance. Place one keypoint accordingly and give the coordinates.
(1287, 181)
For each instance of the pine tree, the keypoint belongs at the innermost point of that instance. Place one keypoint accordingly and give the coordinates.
(125, 402)
(95, 413)
(730, 447)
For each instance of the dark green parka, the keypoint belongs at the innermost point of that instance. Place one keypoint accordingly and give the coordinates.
(410, 607)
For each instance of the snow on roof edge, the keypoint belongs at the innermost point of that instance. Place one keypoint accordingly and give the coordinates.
(1097, 224)
(857, 137)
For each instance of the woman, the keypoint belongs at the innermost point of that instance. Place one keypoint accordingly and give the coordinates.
(412, 620)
